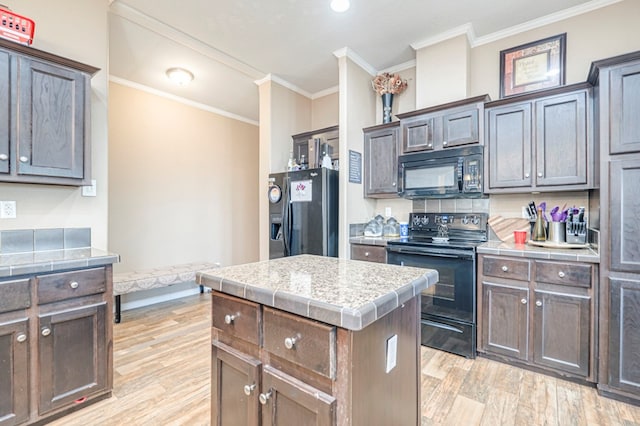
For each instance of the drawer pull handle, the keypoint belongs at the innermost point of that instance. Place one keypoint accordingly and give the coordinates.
(366, 254)
(523, 301)
(538, 303)
(24, 159)
(46, 331)
(4, 157)
(74, 284)
(561, 274)
(265, 397)
(505, 268)
(21, 338)
(290, 342)
(228, 319)
(248, 389)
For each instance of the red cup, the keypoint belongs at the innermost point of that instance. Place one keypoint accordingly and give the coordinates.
(520, 237)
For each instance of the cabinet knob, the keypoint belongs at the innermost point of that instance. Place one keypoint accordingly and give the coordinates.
(248, 389)
(444, 143)
(505, 268)
(4, 157)
(523, 301)
(290, 342)
(21, 338)
(264, 397)
(24, 159)
(46, 331)
(393, 184)
(539, 174)
(538, 303)
(366, 254)
(526, 175)
(228, 319)
(561, 274)
(74, 284)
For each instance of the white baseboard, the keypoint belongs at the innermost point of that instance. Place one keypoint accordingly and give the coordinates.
(152, 300)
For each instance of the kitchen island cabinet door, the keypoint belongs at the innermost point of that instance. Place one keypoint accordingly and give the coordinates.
(561, 140)
(505, 325)
(14, 368)
(624, 108)
(288, 401)
(509, 144)
(72, 355)
(5, 108)
(235, 379)
(624, 335)
(51, 125)
(562, 332)
(625, 215)
(381, 163)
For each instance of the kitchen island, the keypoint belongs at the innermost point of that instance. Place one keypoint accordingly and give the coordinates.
(311, 340)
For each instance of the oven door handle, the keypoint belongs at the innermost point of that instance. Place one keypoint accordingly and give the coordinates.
(440, 325)
(452, 255)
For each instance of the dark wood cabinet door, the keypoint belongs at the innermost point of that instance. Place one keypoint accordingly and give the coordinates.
(460, 128)
(235, 386)
(72, 362)
(51, 126)
(5, 109)
(510, 146)
(505, 320)
(14, 372)
(562, 332)
(417, 133)
(381, 163)
(624, 208)
(624, 97)
(561, 140)
(290, 402)
(624, 335)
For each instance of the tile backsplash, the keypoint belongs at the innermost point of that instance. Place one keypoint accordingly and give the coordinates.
(29, 240)
(452, 205)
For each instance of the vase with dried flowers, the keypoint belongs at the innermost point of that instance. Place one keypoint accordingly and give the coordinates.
(387, 85)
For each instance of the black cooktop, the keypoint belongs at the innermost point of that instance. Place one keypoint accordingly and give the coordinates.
(430, 242)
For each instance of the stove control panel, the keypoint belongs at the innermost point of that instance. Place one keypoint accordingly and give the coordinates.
(462, 221)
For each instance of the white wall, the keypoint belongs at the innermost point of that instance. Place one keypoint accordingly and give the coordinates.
(325, 111)
(48, 206)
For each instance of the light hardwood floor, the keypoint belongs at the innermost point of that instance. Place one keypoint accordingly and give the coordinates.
(162, 366)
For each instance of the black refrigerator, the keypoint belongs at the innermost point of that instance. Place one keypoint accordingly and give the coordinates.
(303, 213)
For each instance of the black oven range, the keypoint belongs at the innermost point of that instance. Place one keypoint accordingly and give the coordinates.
(446, 242)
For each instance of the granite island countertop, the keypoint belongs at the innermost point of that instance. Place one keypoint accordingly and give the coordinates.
(37, 262)
(346, 293)
(588, 255)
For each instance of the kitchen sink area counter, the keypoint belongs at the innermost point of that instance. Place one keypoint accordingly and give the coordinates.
(587, 255)
(302, 338)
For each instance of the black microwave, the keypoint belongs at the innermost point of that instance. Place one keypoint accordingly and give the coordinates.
(450, 173)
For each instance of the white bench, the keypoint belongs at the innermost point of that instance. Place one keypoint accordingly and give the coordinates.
(128, 282)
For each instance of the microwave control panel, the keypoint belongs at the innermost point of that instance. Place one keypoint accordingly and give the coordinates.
(473, 179)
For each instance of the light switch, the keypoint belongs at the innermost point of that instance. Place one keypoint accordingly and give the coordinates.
(392, 352)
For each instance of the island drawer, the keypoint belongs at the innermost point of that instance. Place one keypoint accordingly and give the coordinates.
(500, 267)
(237, 317)
(67, 285)
(369, 253)
(576, 275)
(14, 295)
(307, 343)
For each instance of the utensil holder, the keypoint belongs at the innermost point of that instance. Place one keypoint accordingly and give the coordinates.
(557, 231)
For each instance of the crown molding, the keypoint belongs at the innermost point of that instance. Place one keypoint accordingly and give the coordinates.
(284, 83)
(204, 107)
(400, 67)
(325, 92)
(542, 21)
(173, 34)
(466, 29)
(345, 51)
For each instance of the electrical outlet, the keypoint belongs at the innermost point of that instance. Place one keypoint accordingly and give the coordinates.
(387, 211)
(7, 209)
(89, 191)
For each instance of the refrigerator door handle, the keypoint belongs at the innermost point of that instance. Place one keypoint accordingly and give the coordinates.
(286, 218)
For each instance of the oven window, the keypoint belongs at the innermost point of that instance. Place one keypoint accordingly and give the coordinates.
(430, 177)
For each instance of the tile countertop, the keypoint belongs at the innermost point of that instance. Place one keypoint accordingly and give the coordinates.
(37, 262)
(587, 255)
(346, 293)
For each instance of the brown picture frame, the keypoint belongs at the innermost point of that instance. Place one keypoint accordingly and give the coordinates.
(533, 66)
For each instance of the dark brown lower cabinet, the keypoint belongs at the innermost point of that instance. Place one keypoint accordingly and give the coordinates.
(538, 313)
(72, 355)
(624, 335)
(14, 371)
(288, 401)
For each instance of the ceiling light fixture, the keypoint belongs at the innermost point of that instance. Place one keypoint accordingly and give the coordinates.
(180, 76)
(340, 5)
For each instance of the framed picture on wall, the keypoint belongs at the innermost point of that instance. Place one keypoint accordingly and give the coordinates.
(533, 66)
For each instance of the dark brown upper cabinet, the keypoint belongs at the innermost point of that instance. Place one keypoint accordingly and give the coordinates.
(46, 99)
(381, 161)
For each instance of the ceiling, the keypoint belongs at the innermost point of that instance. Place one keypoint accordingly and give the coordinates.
(228, 45)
